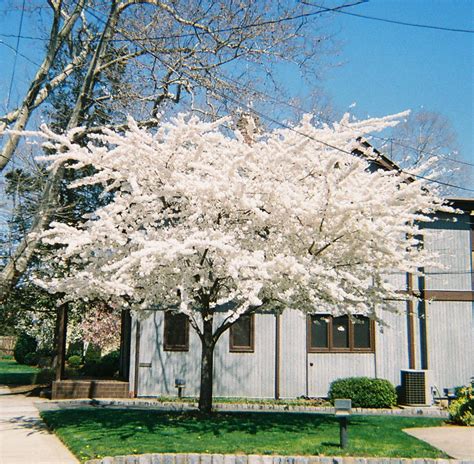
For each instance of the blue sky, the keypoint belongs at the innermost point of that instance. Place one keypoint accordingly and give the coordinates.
(389, 68)
(386, 68)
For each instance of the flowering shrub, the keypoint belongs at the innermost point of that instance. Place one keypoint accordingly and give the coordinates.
(461, 410)
(101, 326)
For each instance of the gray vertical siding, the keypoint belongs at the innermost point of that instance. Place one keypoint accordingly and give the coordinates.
(451, 241)
(327, 367)
(247, 374)
(391, 344)
(450, 343)
(166, 366)
(235, 374)
(293, 354)
(447, 350)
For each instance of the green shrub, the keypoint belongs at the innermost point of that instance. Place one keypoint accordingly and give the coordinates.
(24, 345)
(110, 364)
(461, 410)
(74, 361)
(45, 357)
(92, 354)
(106, 366)
(364, 392)
(76, 349)
(31, 359)
(45, 376)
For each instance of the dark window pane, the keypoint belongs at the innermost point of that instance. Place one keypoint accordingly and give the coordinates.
(176, 331)
(319, 332)
(241, 332)
(340, 332)
(361, 332)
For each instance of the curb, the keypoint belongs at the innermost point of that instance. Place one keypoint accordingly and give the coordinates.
(235, 407)
(265, 459)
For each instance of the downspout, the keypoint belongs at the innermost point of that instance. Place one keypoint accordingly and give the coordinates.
(411, 323)
(423, 315)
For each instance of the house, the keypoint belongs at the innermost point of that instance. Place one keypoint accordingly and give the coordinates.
(290, 355)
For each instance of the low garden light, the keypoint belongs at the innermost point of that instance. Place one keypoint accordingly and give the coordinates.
(343, 410)
(180, 384)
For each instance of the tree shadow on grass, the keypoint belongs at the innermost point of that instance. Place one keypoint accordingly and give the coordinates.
(189, 422)
(17, 378)
(117, 431)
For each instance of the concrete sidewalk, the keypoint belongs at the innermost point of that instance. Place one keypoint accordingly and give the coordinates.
(24, 438)
(457, 442)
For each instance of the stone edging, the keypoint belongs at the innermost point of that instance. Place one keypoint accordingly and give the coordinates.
(265, 459)
(174, 406)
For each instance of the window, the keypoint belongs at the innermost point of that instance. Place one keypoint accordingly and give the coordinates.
(176, 333)
(340, 334)
(241, 335)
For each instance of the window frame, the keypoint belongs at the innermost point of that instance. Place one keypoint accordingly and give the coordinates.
(243, 348)
(171, 347)
(330, 348)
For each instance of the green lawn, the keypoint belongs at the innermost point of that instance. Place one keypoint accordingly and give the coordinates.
(12, 373)
(92, 433)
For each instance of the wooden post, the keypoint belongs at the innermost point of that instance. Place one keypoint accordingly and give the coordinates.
(61, 341)
(137, 357)
(125, 338)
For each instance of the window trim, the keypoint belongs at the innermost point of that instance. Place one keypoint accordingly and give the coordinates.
(166, 345)
(243, 348)
(330, 348)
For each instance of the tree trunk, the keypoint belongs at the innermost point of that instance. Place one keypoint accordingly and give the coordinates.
(61, 342)
(207, 363)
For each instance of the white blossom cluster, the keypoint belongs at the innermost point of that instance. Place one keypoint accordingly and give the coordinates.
(202, 222)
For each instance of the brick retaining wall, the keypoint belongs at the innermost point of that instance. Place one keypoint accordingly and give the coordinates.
(71, 389)
(257, 459)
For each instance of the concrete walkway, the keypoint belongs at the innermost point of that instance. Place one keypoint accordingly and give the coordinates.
(24, 438)
(457, 442)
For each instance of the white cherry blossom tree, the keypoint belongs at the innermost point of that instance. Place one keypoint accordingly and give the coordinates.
(206, 224)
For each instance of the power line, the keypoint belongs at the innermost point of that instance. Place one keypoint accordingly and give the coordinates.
(260, 114)
(25, 37)
(210, 32)
(290, 18)
(402, 23)
(329, 121)
(16, 54)
(265, 116)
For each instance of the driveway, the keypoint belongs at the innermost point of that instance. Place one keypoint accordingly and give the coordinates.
(24, 438)
(457, 442)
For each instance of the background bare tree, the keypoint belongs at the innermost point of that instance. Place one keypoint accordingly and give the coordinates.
(424, 135)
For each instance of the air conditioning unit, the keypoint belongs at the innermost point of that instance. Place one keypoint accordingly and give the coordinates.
(415, 389)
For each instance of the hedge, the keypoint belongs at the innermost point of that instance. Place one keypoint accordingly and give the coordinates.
(364, 392)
